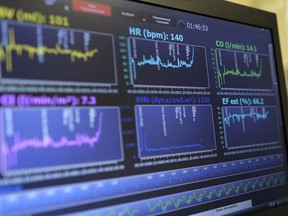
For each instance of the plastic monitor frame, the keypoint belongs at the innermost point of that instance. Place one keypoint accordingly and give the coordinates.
(239, 14)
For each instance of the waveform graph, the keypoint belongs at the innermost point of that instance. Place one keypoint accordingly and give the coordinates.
(243, 70)
(205, 195)
(173, 202)
(174, 130)
(53, 138)
(53, 55)
(250, 126)
(166, 64)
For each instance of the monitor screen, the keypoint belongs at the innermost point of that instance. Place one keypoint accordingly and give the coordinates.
(135, 108)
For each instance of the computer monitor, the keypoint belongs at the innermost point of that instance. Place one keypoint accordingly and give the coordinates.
(140, 108)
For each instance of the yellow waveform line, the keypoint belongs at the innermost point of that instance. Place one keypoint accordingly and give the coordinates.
(6, 53)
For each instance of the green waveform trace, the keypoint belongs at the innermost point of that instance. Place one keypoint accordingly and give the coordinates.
(216, 192)
(253, 74)
(125, 212)
(191, 198)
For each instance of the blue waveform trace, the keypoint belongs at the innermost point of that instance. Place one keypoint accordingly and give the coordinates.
(192, 146)
(250, 126)
(170, 64)
(253, 114)
(157, 126)
(158, 61)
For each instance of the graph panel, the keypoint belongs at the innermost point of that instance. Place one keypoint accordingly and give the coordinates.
(242, 70)
(43, 53)
(172, 130)
(156, 63)
(249, 126)
(56, 137)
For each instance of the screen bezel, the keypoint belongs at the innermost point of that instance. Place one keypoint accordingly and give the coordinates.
(219, 9)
